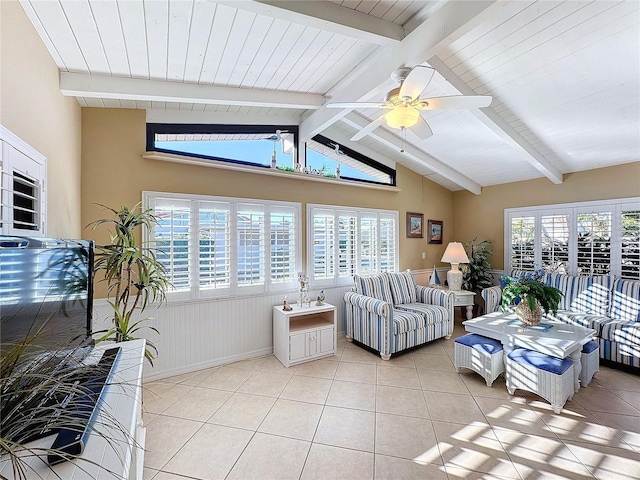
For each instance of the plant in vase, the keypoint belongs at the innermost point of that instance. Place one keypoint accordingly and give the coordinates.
(534, 297)
(477, 273)
(133, 274)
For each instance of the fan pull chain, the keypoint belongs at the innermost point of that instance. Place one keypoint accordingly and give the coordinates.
(404, 137)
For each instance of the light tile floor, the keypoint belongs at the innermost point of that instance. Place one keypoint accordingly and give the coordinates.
(354, 416)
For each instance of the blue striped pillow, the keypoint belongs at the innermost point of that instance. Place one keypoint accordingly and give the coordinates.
(626, 300)
(403, 287)
(376, 286)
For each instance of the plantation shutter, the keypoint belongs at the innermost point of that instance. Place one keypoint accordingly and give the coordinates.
(347, 245)
(214, 245)
(523, 243)
(630, 244)
(594, 243)
(388, 247)
(323, 244)
(250, 245)
(172, 239)
(368, 244)
(284, 234)
(555, 242)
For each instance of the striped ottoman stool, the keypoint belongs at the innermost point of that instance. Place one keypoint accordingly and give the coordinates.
(546, 376)
(481, 354)
(590, 361)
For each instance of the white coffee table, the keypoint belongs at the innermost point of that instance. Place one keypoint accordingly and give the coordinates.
(552, 337)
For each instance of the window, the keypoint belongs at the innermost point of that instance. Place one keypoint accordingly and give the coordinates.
(23, 205)
(589, 238)
(326, 156)
(343, 241)
(215, 246)
(251, 145)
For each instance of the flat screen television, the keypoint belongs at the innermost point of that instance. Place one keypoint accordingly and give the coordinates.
(46, 293)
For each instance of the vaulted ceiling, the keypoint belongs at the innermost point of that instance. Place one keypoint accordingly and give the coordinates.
(564, 76)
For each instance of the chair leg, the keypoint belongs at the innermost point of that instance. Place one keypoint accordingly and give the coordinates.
(349, 339)
(385, 356)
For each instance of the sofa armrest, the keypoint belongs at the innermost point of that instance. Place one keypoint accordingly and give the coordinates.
(492, 297)
(369, 321)
(437, 296)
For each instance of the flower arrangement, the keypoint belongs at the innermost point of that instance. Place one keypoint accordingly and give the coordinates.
(532, 293)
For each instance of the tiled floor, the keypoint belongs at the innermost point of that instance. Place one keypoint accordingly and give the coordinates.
(354, 416)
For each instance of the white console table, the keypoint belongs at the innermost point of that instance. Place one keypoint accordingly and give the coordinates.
(121, 402)
(304, 333)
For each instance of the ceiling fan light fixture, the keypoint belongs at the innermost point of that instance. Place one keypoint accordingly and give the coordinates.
(402, 117)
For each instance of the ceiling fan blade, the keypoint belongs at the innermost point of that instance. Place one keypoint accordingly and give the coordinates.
(416, 82)
(455, 102)
(421, 129)
(356, 105)
(369, 128)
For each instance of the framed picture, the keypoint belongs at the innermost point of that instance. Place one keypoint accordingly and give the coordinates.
(434, 231)
(415, 223)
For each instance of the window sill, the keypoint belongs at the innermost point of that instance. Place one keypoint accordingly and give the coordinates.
(168, 157)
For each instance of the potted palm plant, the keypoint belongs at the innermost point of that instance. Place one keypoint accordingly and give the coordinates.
(531, 296)
(134, 276)
(477, 273)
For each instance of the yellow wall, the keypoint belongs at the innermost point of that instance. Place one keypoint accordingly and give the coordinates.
(32, 107)
(483, 214)
(114, 173)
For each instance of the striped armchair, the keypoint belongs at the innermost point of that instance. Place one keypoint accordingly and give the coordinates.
(389, 313)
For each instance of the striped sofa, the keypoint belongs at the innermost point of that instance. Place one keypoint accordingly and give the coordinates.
(608, 305)
(389, 313)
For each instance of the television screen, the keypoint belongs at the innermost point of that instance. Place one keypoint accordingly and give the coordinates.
(46, 293)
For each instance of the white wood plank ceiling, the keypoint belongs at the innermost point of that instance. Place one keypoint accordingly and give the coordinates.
(564, 75)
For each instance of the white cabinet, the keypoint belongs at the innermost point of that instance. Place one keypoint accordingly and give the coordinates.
(304, 333)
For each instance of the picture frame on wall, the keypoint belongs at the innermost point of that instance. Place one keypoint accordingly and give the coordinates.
(434, 231)
(415, 225)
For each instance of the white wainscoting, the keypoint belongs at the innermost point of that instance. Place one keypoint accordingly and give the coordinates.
(205, 333)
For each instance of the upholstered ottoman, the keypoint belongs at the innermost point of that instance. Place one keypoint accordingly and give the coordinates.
(546, 376)
(481, 354)
(590, 361)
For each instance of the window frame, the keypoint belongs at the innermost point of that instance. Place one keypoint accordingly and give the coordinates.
(358, 214)
(327, 142)
(198, 203)
(205, 128)
(615, 206)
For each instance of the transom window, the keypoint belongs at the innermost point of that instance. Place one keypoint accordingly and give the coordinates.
(251, 145)
(218, 246)
(326, 156)
(589, 238)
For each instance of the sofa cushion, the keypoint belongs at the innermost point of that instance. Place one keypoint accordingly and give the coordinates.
(431, 314)
(584, 294)
(581, 319)
(403, 287)
(625, 304)
(376, 286)
(621, 331)
(541, 361)
(405, 321)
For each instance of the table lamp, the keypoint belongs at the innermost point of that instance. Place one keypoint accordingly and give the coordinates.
(455, 254)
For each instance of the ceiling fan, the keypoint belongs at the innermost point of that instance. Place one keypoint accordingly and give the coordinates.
(404, 103)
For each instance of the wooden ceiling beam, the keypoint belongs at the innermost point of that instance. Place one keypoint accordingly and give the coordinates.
(326, 16)
(499, 126)
(102, 86)
(395, 143)
(366, 80)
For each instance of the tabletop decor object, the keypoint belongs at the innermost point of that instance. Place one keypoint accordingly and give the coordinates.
(535, 297)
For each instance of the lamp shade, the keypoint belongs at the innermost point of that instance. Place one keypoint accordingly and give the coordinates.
(455, 253)
(402, 117)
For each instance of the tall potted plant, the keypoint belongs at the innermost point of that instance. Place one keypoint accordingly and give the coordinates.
(134, 276)
(477, 273)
